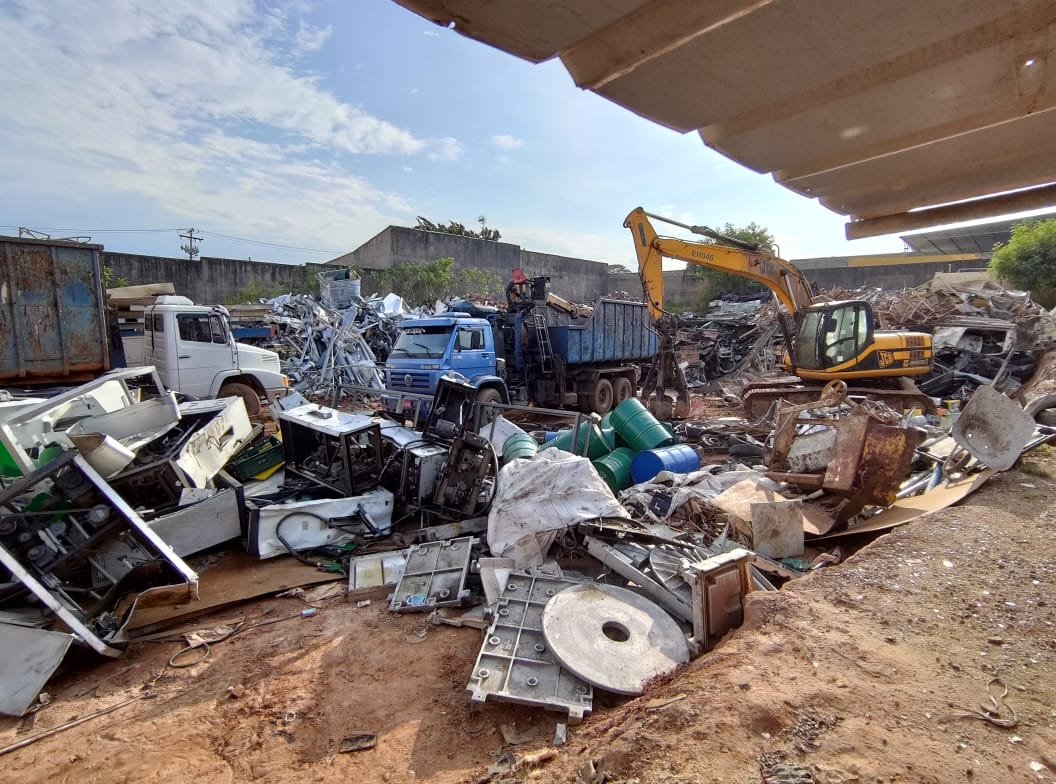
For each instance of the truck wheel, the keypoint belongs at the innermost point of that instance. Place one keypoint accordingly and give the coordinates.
(489, 395)
(248, 395)
(601, 400)
(622, 388)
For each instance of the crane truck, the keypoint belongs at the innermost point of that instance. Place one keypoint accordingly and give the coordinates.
(825, 341)
(542, 350)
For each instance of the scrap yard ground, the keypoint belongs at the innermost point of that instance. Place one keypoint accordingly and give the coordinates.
(852, 674)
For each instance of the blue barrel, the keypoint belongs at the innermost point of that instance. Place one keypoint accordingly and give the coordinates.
(519, 445)
(638, 428)
(678, 459)
(615, 468)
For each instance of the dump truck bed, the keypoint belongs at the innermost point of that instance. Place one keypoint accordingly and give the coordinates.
(615, 332)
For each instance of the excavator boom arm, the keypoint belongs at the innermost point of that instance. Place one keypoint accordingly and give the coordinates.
(782, 278)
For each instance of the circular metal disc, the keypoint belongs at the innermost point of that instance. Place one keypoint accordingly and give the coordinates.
(611, 637)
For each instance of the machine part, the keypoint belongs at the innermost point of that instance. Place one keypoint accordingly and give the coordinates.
(993, 428)
(666, 563)
(157, 484)
(203, 524)
(421, 469)
(104, 453)
(494, 574)
(28, 658)
(52, 548)
(451, 411)
(335, 449)
(612, 637)
(469, 462)
(219, 438)
(438, 533)
(870, 459)
(516, 665)
(376, 570)
(624, 566)
(720, 584)
(134, 426)
(32, 428)
(306, 525)
(435, 576)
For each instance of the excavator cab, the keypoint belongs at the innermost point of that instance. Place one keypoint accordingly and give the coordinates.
(833, 335)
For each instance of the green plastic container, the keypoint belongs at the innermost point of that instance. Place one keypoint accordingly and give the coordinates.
(519, 445)
(256, 458)
(638, 428)
(615, 468)
(589, 436)
(609, 434)
(8, 466)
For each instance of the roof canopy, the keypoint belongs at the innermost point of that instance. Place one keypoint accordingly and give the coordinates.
(874, 107)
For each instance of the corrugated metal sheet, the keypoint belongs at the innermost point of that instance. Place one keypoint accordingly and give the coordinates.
(615, 333)
(876, 107)
(52, 312)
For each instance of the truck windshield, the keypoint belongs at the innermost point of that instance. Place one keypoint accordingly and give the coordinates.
(427, 342)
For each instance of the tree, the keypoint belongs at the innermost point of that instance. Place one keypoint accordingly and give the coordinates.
(715, 283)
(424, 284)
(460, 230)
(111, 280)
(1028, 259)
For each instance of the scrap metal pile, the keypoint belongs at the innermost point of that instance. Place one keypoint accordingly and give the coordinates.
(592, 558)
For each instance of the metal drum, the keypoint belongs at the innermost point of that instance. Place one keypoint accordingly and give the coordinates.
(589, 436)
(678, 459)
(638, 428)
(519, 445)
(615, 468)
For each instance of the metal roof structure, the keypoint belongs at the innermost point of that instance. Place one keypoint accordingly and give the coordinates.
(967, 239)
(877, 108)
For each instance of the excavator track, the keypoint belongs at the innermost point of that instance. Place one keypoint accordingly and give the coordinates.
(759, 397)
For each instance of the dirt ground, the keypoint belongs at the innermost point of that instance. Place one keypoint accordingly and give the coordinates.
(852, 674)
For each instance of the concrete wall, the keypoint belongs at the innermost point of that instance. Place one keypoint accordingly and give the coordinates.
(892, 272)
(681, 287)
(575, 279)
(210, 281)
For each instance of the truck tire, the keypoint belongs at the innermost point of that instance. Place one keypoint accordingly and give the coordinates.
(622, 388)
(489, 395)
(247, 393)
(601, 399)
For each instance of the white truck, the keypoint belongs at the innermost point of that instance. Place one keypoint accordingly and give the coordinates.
(195, 354)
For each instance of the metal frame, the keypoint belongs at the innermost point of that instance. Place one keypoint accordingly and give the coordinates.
(52, 598)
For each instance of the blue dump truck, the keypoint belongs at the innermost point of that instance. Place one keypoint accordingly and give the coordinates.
(542, 350)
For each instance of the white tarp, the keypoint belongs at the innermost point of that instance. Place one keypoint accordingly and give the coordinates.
(538, 498)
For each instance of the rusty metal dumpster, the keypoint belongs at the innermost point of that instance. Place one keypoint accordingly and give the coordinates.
(53, 325)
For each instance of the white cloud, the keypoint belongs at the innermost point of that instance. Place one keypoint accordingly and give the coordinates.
(506, 142)
(310, 38)
(200, 109)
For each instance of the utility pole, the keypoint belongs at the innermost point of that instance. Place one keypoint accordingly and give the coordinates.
(191, 246)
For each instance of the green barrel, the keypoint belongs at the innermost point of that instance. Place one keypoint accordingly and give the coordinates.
(609, 434)
(615, 468)
(638, 428)
(519, 445)
(589, 436)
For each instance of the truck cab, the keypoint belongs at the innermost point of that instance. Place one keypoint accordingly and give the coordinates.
(454, 342)
(195, 353)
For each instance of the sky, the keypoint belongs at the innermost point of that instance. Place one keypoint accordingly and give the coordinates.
(314, 125)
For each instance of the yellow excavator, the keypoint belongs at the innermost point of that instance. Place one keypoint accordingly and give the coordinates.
(831, 341)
